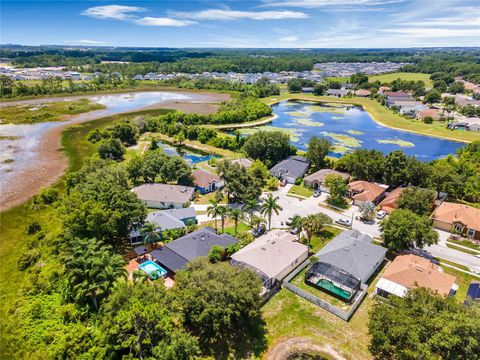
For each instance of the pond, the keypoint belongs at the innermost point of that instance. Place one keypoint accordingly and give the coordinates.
(349, 127)
(190, 156)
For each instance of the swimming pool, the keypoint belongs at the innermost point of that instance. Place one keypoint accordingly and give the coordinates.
(189, 156)
(152, 269)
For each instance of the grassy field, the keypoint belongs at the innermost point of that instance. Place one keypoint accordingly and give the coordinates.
(387, 78)
(300, 190)
(471, 252)
(56, 111)
(323, 237)
(386, 117)
(466, 243)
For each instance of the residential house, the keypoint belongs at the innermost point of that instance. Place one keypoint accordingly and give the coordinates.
(206, 182)
(317, 179)
(291, 169)
(390, 202)
(166, 220)
(337, 92)
(409, 271)
(176, 254)
(307, 89)
(164, 196)
(459, 218)
(435, 114)
(345, 263)
(363, 191)
(363, 93)
(272, 256)
(244, 162)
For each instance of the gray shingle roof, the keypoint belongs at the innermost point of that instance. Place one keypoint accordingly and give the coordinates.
(169, 258)
(164, 192)
(353, 252)
(294, 166)
(199, 243)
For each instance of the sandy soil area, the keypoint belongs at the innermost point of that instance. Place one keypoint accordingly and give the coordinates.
(52, 162)
(284, 349)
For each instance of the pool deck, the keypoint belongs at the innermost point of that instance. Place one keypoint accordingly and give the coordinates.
(133, 266)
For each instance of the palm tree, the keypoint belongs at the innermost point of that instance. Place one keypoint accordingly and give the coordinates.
(150, 234)
(311, 225)
(213, 211)
(92, 271)
(297, 225)
(236, 214)
(250, 207)
(269, 207)
(222, 213)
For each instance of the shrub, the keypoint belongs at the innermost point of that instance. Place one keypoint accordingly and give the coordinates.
(428, 120)
(298, 181)
(28, 259)
(33, 228)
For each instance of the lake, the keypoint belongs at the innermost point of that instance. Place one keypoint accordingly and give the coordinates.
(190, 156)
(349, 127)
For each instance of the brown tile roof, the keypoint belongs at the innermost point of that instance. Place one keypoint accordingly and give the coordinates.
(363, 92)
(452, 213)
(434, 113)
(164, 193)
(390, 202)
(321, 174)
(204, 178)
(366, 191)
(414, 271)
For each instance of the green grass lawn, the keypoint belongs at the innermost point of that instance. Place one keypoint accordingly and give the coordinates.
(385, 116)
(466, 243)
(463, 281)
(205, 199)
(471, 252)
(323, 237)
(240, 227)
(300, 190)
(444, 261)
(388, 78)
(56, 111)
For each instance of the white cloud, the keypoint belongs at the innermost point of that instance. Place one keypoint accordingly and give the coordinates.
(163, 21)
(84, 42)
(327, 3)
(423, 32)
(119, 12)
(291, 38)
(220, 14)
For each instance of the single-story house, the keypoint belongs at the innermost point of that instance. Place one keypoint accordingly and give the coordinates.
(317, 179)
(307, 89)
(409, 271)
(474, 127)
(166, 220)
(272, 256)
(206, 182)
(462, 219)
(291, 169)
(435, 114)
(390, 202)
(337, 92)
(164, 196)
(384, 89)
(345, 263)
(244, 162)
(363, 93)
(176, 254)
(363, 191)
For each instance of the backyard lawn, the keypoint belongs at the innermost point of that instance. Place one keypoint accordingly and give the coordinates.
(323, 237)
(300, 190)
(387, 78)
(205, 199)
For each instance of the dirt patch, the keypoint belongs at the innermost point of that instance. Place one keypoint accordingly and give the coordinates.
(286, 348)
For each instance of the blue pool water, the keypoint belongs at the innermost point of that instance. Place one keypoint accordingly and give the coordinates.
(349, 127)
(152, 269)
(189, 156)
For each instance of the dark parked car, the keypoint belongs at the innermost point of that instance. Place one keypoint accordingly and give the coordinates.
(283, 182)
(317, 193)
(259, 230)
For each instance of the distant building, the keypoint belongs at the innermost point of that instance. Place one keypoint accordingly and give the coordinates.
(363, 93)
(337, 92)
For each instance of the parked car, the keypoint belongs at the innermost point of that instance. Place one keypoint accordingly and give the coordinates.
(294, 231)
(289, 221)
(344, 222)
(283, 182)
(260, 230)
(317, 193)
(381, 214)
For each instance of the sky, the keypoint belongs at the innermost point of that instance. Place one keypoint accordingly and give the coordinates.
(243, 24)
